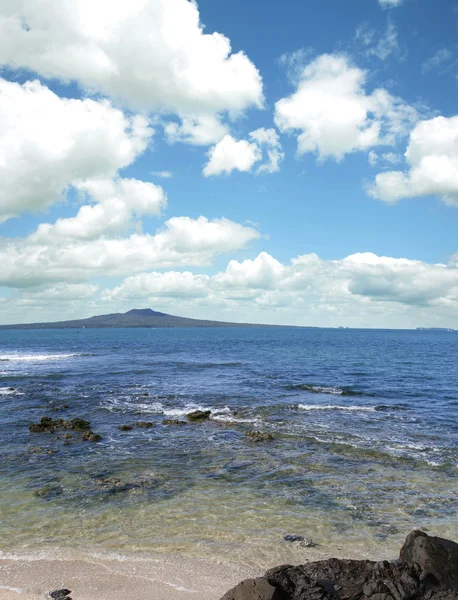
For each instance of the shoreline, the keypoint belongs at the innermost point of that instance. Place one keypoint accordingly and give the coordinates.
(139, 576)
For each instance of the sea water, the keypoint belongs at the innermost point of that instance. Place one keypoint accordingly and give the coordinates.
(364, 447)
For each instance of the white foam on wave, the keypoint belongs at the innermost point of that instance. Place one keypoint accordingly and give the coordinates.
(230, 418)
(336, 407)
(180, 412)
(125, 406)
(11, 589)
(4, 391)
(34, 357)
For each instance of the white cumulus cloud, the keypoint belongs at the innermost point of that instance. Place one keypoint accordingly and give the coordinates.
(334, 115)
(432, 156)
(150, 54)
(46, 257)
(115, 204)
(48, 143)
(241, 155)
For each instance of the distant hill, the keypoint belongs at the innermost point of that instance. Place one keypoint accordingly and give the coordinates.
(144, 317)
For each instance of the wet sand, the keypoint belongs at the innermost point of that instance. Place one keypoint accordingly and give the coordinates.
(159, 578)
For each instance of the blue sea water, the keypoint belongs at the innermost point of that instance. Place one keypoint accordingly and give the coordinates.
(364, 448)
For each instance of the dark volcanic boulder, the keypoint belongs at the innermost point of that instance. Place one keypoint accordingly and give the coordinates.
(292, 583)
(199, 415)
(252, 589)
(437, 557)
(427, 570)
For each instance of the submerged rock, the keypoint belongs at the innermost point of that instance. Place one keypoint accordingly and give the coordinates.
(259, 436)
(40, 450)
(173, 422)
(199, 415)
(90, 436)
(293, 538)
(49, 491)
(125, 428)
(144, 424)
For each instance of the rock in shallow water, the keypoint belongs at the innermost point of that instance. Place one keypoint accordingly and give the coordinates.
(199, 415)
(61, 594)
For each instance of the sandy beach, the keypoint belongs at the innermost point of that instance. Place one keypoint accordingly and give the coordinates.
(161, 578)
(137, 577)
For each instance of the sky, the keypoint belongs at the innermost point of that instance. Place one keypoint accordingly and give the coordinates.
(292, 163)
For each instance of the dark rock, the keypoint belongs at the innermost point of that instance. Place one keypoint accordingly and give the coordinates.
(173, 422)
(199, 415)
(292, 583)
(90, 436)
(428, 566)
(259, 436)
(437, 557)
(48, 425)
(252, 589)
(78, 425)
(144, 424)
(125, 427)
(61, 594)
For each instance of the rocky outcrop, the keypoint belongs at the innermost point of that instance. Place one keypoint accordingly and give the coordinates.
(199, 415)
(427, 570)
(437, 557)
(252, 589)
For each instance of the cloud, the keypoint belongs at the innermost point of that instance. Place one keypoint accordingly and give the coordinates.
(390, 3)
(229, 155)
(437, 60)
(46, 257)
(376, 278)
(117, 202)
(362, 289)
(199, 131)
(152, 55)
(432, 156)
(241, 155)
(162, 174)
(384, 47)
(48, 143)
(334, 115)
(270, 141)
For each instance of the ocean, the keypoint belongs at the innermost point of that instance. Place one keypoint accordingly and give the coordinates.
(364, 447)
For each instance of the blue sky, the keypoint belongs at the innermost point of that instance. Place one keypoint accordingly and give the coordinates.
(293, 164)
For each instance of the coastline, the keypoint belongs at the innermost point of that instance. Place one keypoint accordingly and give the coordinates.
(139, 576)
(117, 577)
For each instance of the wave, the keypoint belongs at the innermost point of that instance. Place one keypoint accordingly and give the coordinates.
(183, 411)
(34, 357)
(8, 391)
(319, 389)
(337, 407)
